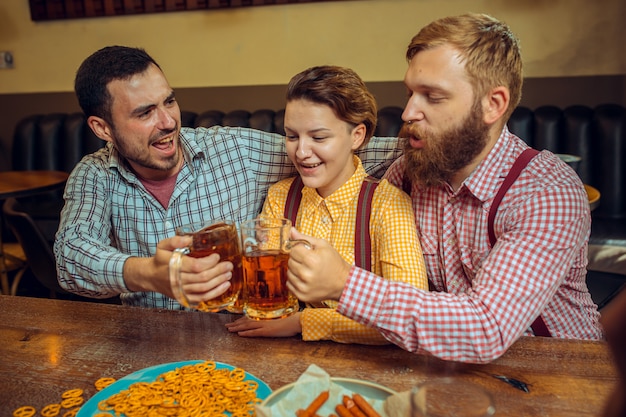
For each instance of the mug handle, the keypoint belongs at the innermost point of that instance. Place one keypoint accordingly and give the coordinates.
(175, 282)
(290, 244)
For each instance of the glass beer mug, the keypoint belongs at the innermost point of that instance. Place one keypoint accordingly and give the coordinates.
(266, 247)
(219, 237)
(446, 397)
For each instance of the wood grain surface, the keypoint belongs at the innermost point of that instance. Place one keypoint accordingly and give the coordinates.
(23, 183)
(49, 346)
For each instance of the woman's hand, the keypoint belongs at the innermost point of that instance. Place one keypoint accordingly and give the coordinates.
(289, 326)
(317, 273)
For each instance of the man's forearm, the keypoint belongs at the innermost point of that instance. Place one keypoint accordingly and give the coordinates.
(142, 274)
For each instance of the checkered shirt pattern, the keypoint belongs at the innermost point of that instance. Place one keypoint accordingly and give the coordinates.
(486, 298)
(109, 216)
(396, 252)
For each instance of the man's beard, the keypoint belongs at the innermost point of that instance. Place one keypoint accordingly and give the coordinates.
(446, 153)
(142, 158)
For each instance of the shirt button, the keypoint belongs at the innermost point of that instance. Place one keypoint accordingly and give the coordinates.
(168, 224)
(325, 220)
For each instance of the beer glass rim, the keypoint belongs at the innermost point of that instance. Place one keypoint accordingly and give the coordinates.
(196, 227)
(448, 385)
(266, 222)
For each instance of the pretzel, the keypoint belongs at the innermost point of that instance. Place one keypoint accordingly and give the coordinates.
(71, 393)
(198, 387)
(51, 410)
(72, 402)
(103, 382)
(72, 412)
(24, 411)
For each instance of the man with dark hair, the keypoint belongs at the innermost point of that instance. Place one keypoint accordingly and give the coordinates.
(123, 202)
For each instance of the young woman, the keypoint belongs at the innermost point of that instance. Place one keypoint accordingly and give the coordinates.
(330, 114)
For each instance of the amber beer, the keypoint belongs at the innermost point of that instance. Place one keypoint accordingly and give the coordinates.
(220, 238)
(265, 257)
(267, 295)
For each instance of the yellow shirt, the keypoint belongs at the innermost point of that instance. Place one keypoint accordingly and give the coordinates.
(396, 252)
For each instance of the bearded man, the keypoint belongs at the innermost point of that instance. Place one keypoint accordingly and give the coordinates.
(500, 266)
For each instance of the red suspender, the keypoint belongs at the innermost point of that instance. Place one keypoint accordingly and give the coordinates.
(293, 200)
(362, 238)
(517, 168)
(539, 326)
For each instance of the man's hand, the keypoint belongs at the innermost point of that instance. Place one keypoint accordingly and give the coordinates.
(318, 273)
(202, 278)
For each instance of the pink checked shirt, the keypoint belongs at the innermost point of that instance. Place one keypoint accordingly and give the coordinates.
(485, 298)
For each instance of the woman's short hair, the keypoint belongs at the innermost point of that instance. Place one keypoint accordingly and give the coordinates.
(339, 88)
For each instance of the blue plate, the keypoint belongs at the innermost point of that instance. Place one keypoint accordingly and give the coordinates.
(90, 408)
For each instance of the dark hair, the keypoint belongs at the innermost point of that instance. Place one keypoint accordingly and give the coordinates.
(339, 88)
(488, 47)
(99, 69)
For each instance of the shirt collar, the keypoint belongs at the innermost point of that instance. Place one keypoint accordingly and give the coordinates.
(340, 200)
(485, 179)
(189, 147)
(117, 162)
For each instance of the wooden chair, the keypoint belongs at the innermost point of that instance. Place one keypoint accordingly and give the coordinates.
(38, 251)
(14, 264)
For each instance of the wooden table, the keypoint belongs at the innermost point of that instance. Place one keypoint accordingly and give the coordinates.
(49, 346)
(23, 184)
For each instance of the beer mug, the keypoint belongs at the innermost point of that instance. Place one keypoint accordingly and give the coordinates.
(219, 237)
(266, 247)
(237, 306)
(443, 397)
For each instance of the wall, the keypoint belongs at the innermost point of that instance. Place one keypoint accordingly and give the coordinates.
(266, 45)
(219, 52)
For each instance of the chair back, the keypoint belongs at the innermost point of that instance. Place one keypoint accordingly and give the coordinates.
(36, 247)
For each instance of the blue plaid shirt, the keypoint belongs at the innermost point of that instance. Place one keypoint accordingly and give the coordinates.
(109, 216)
